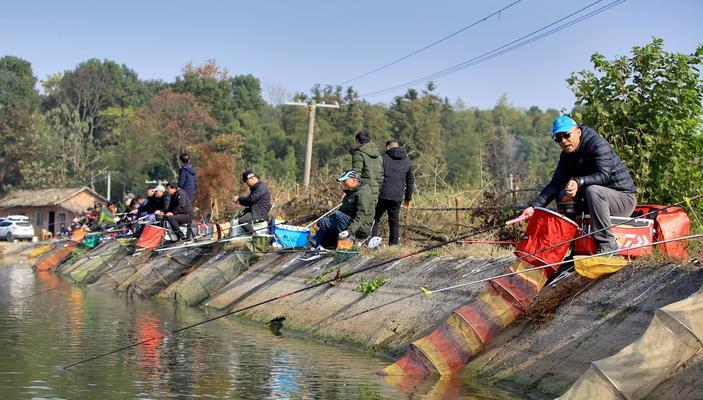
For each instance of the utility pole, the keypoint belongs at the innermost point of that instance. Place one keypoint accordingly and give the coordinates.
(311, 105)
(109, 182)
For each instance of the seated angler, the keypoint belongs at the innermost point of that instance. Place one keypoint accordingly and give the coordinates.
(180, 209)
(592, 176)
(354, 218)
(258, 202)
(160, 203)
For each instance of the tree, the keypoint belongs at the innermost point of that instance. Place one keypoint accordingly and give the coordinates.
(94, 86)
(648, 106)
(179, 121)
(19, 99)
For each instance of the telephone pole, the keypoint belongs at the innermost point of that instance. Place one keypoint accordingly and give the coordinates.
(311, 105)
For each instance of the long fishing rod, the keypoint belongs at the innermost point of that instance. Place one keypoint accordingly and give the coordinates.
(428, 291)
(303, 289)
(323, 215)
(481, 268)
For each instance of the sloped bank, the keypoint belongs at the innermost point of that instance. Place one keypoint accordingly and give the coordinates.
(593, 321)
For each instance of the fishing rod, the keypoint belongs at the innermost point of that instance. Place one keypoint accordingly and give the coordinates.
(428, 292)
(242, 235)
(303, 289)
(323, 215)
(490, 265)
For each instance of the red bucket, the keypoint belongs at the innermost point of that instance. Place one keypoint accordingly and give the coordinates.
(151, 237)
(545, 230)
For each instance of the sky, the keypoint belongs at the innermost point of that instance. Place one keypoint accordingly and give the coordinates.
(296, 44)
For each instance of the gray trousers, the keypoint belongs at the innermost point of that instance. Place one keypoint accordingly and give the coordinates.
(603, 203)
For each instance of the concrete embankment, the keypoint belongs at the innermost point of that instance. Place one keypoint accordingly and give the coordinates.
(572, 323)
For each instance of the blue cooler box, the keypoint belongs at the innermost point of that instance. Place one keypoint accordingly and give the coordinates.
(291, 236)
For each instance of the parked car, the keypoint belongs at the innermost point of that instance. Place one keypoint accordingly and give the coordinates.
(16, 227)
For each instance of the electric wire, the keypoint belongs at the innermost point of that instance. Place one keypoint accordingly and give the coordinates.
(510, 46)
(451, 35)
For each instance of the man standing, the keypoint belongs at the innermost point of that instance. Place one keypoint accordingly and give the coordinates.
(589, 172)
(186, 176)
(258, 203)
(353, 218)
(180, 209)
(398, 178)
(367, 161)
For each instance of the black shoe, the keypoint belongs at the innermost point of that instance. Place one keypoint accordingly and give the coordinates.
(610, 250)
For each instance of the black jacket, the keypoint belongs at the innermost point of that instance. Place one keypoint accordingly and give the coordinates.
(258, 202)
(180, 203)
(153, 203)
(187, 180)
(593, 163)
(398, 176)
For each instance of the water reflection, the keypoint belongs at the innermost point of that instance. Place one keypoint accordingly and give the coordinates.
(228, 358)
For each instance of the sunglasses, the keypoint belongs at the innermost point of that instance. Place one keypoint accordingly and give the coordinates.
(558, 138)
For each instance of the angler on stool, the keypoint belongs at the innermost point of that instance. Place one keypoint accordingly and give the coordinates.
(591, 172)
(258, 203)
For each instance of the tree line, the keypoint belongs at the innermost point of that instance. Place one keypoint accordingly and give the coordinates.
(100, 116)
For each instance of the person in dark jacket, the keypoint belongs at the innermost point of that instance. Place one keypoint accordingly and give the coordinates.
(180, 209)
(186, 176)
(157, 201)
(354, 217)
(258, 203)
(367, 161)
(398, 186)
(589, 172)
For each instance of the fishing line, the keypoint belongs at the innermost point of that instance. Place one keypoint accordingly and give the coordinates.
(428, 291)
(282, 296)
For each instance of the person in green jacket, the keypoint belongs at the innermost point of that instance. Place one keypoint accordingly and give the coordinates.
(354, 217)
(367, 161)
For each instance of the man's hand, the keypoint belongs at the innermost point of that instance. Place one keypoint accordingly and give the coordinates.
(406, 203)
(527, 212)
(169, 214)
(236, 199)
(571, 188)
(343, 234)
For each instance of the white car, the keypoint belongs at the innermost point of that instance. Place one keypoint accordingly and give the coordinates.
(16, 227)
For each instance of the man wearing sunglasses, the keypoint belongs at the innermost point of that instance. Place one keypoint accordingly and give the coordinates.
(591, 175)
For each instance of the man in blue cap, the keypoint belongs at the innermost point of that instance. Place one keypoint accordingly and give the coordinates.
(591, 175)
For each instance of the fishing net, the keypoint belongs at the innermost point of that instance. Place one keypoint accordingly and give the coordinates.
(469, 328)
(53, 258)
(90, 271)
(212, 276)
(596, 267)
(122, 271)
(674, 336)
(161, 272)
(36, 252)
(66, 269)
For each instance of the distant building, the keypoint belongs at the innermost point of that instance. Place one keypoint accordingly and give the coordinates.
(49, 208)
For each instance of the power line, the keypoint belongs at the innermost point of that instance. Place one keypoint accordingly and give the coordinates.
(515, 44)
(429, 45)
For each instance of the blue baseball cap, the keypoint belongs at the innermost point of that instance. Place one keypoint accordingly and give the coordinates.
(349, 174)
(563, 124)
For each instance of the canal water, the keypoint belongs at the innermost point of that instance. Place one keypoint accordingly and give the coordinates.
(47, 323)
